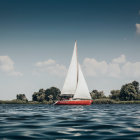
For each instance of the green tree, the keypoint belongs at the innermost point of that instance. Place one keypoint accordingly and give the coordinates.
(95, 94)
(115, 94)
(21, 97)
(39, 96)
(55, 92)
(137, 97)
(42, 90)
(136, 85)
(34, 96)
(127, 92)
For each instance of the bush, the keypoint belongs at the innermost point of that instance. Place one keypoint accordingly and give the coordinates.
(22, 97)
(136, 85)
(103, 101)
(115, 94)
(95, 94)
(39, 96)
(52, 93)
(127, 92)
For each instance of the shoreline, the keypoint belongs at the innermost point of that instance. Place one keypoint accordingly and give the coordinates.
(97, 101)
(110, 101)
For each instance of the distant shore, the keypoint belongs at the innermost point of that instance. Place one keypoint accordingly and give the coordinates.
(97, 101)
(110, 101)
(24, 102)
(128, 94)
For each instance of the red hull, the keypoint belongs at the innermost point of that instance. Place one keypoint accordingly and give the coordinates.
(74, 102)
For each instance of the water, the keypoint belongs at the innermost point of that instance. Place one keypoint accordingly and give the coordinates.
(101, 122)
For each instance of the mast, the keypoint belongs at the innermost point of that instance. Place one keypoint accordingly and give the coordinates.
(75, 83)
(77, 61)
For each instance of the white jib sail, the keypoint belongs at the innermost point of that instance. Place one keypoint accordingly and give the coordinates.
(70, 83)
(82, 91)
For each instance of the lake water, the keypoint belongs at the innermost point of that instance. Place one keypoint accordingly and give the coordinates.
(101, 122)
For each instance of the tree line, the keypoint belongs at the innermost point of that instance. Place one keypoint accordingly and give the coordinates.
(128, 92)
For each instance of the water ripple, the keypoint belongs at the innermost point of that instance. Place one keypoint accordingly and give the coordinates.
(101, 122)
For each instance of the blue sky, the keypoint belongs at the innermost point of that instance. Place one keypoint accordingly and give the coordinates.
(43, 32)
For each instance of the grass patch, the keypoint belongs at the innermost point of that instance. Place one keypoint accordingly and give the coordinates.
(24, 102)
(110, 101)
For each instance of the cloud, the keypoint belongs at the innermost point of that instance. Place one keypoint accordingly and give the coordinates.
(117, 68)
(92, 67)
(7, 66)
(120, 59)
(45, 63)
(139, 12)
(113, 70)
(138, 28)
(131, 69)
(51, 67)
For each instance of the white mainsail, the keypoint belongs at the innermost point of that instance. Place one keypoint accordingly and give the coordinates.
(75, 83)
(70, 83)
(82, 91)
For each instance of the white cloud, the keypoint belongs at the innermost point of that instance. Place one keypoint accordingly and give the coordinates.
(15, 73)
(131, 69)
(45, 63)
(113, 70)
(118, 67)
(51, 67)
(139, 12)
(120, 59)
(138, 28)
(92, 67)
(7, 66)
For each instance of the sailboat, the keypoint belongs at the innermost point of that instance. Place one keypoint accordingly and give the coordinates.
(75, 90)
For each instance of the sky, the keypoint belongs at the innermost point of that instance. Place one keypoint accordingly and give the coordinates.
(37, 39)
